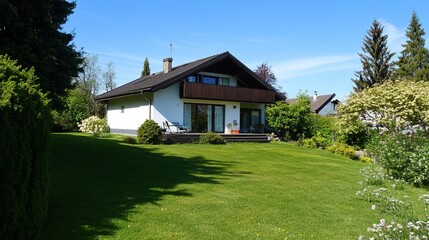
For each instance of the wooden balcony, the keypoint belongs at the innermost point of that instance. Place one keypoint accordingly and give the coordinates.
(226, 93)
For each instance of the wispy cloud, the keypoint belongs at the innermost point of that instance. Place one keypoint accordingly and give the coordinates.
(125, 56)
(301, 67)
(396, 36)
(96, 17)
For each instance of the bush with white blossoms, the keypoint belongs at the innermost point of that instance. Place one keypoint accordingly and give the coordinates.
(94, 125)
(386, 196)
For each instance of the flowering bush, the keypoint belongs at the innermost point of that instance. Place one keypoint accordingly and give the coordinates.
(94, 125)
(385, 199)
(412, 230)
(405, 158)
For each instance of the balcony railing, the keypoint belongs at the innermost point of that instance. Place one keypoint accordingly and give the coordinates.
(226, 93)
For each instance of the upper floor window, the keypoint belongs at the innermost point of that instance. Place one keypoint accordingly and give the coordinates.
(209, 80)
(192, 78)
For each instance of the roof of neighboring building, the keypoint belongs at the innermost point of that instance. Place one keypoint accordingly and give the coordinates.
(221, 63)
(319, 104)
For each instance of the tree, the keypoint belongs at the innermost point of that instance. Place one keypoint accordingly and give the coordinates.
(414, 59)
(146, 68)
(31, 32)
(109, 76)
(79, 102)
(25, 123)
(293, 121)
(265, 73)
(375, 59)
(393, 107)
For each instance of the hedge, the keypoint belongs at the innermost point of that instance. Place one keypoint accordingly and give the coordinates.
(25, 123)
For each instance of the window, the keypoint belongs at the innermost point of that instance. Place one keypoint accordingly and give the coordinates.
(209, 80)
(224, 81)
(191, 79)
(204, 117)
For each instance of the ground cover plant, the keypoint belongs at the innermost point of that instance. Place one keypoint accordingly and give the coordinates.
(108, 189)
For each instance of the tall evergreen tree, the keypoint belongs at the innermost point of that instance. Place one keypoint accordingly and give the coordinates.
(375, 59)
(414, 59)
(146, 68)
(31, 32)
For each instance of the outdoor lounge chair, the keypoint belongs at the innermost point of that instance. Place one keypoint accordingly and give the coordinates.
(179, 128)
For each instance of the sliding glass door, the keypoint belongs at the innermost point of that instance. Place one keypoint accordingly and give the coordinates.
(204, 117)
(250, 120)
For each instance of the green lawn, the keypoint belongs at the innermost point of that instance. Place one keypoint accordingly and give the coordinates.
(104, 189)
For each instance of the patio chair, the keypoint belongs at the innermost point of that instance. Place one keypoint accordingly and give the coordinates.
(179, 128)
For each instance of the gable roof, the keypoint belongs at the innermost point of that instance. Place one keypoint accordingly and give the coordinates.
(221, 63)
(317, 105)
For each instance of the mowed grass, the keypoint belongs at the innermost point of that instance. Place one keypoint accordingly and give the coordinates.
(105, 189)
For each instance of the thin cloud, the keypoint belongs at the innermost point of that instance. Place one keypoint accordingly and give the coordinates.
(396, 36)
(125, 56)
(301, 67)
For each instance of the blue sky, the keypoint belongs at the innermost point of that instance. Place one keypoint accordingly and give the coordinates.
(310, 45)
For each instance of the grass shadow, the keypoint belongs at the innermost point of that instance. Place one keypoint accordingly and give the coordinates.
(96, 181)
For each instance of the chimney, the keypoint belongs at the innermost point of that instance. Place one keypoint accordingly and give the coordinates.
(315, 96)
(167, 64)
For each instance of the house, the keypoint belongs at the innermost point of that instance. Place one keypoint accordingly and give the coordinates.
(323, 104)
(203, 95)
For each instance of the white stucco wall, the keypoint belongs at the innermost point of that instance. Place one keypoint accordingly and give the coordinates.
(135, 112)
(328, 109)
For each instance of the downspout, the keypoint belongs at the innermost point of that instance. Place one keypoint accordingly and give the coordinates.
(150, 104)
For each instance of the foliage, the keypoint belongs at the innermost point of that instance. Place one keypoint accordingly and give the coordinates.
(365, 159)
(129, 140)
(32, 33)
(265, 72)
(94, 125)
(405, 157)
(343, 149)
(310, 143)
(387, 197)
(109, 76)
(146, 68)
(293, 121)
(375, 59)
(211, 138)
(25, 123)
(149, 133)
(414, 59)
(392, 107)
(79, 101)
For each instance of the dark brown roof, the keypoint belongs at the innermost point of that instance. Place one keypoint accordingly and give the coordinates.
(317, 105)
(221, 63)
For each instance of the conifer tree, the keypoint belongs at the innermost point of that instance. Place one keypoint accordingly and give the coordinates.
(146, 68)
(414, 59)
(375, 59)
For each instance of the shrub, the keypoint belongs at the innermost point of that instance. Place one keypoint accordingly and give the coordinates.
(211, 138)
(405, 157)
(129, 140)
(94, 125)
(309, 142)
(365, 159)
(343, 149)
(25, 123)
(149, 133)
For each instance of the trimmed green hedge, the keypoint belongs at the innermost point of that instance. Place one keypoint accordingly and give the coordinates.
(25, 123)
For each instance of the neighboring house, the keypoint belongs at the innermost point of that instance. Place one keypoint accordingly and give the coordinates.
(203, 95)
(323, 104)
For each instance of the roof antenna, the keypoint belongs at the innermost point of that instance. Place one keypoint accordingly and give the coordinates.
(171, 50)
